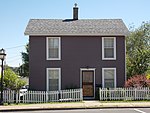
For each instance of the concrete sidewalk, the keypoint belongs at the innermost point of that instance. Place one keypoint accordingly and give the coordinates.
(75, 105)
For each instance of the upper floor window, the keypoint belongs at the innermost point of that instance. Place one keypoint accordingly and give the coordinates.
(53, 48)
(109, 48)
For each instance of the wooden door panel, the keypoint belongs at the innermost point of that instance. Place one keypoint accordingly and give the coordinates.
(88, 90)
(88, 83)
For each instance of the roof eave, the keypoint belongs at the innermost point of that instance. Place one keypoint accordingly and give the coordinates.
(32, 34)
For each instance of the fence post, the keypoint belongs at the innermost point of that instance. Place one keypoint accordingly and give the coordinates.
(16, 96)
(109, 94)
(125, 94)
(81, 94)
(135, 96)
(46, 96)
(148, 93)
(100, 94)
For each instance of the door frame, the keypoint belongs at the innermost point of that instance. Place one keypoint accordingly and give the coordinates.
(81, 85)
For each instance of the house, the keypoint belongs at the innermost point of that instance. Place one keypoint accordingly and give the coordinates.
(76, 53)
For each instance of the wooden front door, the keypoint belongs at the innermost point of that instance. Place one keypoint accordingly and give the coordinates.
(88, 83)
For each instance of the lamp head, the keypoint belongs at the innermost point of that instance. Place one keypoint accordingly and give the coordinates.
(2, 54)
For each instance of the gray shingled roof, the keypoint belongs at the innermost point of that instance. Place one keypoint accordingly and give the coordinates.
(76, 27)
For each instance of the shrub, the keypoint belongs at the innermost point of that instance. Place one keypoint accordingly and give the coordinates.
(11, 80)
(148, 76)
(138, 81)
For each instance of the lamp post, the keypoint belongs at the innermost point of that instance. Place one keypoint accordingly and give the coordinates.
(2, 57)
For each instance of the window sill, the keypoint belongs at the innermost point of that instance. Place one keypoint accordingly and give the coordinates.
(53, 59)
(108, 58)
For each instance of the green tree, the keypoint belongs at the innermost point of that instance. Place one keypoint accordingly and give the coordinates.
(24, 68)
(138, 50)
(12, 81)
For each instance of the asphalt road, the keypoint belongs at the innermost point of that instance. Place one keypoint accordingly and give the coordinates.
(120, 110)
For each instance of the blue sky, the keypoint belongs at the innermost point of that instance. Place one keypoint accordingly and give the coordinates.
(15, 14)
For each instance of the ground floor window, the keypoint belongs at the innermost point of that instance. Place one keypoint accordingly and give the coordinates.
(109, 77)
(53, 79)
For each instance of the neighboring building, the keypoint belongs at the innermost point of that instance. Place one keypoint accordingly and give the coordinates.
(76, 53)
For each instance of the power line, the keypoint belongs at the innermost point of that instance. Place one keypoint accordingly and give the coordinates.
(16, 56)
(15, 47)
(8, 61)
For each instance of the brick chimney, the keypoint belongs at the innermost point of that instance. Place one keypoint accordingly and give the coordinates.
(75, 12)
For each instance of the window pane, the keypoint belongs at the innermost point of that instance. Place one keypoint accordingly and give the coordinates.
(87, 76)
(53, 42)
(53, 52)
(109, 78)
(53, 47)
(109, 74)
(53, 84)
(109, 42)
(109, 52)
(109, 83)
(53, 76)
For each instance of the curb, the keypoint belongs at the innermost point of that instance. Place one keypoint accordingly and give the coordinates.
(102, 107)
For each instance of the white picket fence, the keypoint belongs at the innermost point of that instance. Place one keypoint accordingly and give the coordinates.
(9, 96)
(71, 96)
(124, 93)
(43, 96)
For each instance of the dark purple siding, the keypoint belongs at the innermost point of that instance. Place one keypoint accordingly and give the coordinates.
(76, 53)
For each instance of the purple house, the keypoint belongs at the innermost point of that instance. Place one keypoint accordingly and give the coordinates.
(76, 53)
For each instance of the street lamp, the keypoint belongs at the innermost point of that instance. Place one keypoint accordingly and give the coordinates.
(2, 57)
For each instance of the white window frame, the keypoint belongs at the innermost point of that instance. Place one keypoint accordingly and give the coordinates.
(103, 69)
(47, 78)
(103, 56)
(59, 51)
